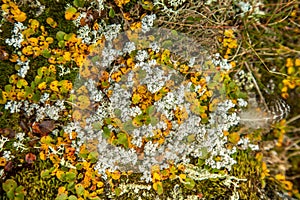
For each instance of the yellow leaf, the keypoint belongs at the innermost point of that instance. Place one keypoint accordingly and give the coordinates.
(43, 156)
(116, 175)
(287, 185)
(156, 177)
(71, 14)
(291, 70)
(61, 190)
(280, 177)
(21, 17)
(51, 22)
(2, 161)
(297, 62)
(100, 184)
(136, 98)
(76, 115)
(289, 62)
(120, 3)
(135, 26)
(234, 137)
(182, 176)
(83, 102)
(229, 33)
(53, 86)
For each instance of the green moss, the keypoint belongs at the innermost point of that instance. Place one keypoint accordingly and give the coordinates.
(6, 69)
(8, 120)
(36, 187)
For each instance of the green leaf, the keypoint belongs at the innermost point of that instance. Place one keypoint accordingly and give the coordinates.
(111, 13)
(70, 176)
(148, 5)
(142, 74)
(93, 157)
(189, 183)
(72, 197)
(7, 88)
(78, 3)
(62, 196)
(167, 43)
(68, 36)
(97, 126)
(106, 132)
(19, 192)
(19, 83)
(174, 33)
(10, 194)
(9, 184)
(61, 44)
(154, 121)
(240, 94)
(94, 198)
(71, 10)
(79, 189)
(36, 97)
(160, 189)
(71, 186)
(128, 127)
(118, 191)
(122, 139)
(204, 153)
(150, 110)
(46, 53)
(117, 112)
(60, 35)
(45, 174)
(78, 166)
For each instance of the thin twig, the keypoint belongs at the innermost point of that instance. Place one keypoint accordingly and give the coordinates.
(256, 85)
(293, 119)
(261, 60)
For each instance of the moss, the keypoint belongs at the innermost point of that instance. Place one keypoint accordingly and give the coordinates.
(36, 187)
(6, 69)
(8, 120)
(248, 167)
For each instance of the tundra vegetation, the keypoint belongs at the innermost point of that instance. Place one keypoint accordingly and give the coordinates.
(137, 99)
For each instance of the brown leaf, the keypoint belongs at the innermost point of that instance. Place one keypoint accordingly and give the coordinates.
(7, 132)
(3, 54)
(43, 128)
(30, 158)
(24, 126)
(8, 167)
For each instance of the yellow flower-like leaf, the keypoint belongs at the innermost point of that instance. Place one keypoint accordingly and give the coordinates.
(280, 177)
(51, 22)
(61, 190)
(120, 3)
(116, 175)
(20, 17)
(156, 177)
(135, 26)
(33, 41)
(289, 62)
(2, 161)
(265, 171)
(71, 14)
(42, 155)
(234, 137)
(297, 62)
(136, 98)
(229, 33)
(53, 86)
